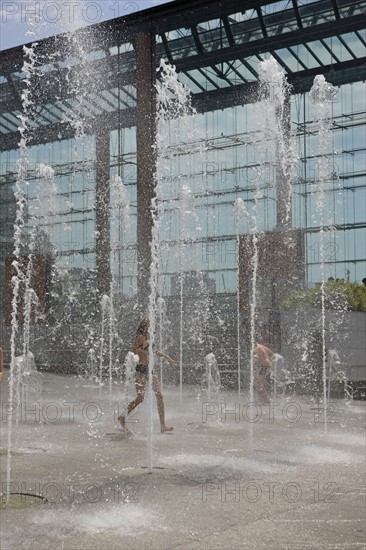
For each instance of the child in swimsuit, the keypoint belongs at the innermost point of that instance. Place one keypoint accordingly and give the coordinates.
(263, 363)
(141, 349)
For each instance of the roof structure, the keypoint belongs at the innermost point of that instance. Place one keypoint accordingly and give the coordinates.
(215, 46)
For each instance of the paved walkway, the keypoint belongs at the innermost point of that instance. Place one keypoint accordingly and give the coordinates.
(231, 476)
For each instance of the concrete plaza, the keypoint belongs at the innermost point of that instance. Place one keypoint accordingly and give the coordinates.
(233, 475)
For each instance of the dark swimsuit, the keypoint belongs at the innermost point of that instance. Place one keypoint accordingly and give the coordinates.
(143, 369)
(263, 370)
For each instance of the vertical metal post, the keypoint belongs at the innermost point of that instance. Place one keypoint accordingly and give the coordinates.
(146, 171)
(102, 239)
(146, 157)
(283, 182)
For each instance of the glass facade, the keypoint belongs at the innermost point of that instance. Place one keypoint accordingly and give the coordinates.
(214, 153)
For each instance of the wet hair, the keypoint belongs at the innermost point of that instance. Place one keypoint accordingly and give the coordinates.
(144, 326)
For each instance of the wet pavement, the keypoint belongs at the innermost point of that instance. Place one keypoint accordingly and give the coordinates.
(232, 475)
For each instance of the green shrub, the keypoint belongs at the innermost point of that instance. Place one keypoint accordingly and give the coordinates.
(338, 295)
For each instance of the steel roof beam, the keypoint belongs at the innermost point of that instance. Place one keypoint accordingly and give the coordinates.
(261, 22)
(228, 31)
(335, 9)
(302, 81)
(275, 42)
(104, 73)
(50, 133)
(297, 14)
(58, 88)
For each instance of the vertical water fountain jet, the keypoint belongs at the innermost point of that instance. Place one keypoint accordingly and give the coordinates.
(111, 340)
(161, 315)
(120, 223)
(41, 208)
(78, 43)
(82, 83)
(212, 377)
(152, 325)
(240, 215)
(107, 330)
(274, 162)
(32, 217)
(187, 219)
(172, 102)
(322, 94)
(129, 366)
(275, 150)
(175, 118)
(105, 308)
(29, 70)
(253, 301)
(91, 364)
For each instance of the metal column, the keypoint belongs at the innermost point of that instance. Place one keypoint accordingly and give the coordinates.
(102, 239)
(146, 157)
(283, 169)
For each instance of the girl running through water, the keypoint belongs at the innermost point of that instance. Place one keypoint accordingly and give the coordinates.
(141, 349)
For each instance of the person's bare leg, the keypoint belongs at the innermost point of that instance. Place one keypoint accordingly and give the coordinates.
(140, 385)
(160, 403)
(260, 386)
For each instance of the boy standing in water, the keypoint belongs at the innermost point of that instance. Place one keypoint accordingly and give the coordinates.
(263, 357)
(262, 364)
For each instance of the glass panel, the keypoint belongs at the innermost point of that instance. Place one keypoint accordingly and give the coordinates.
(99, 101)
(9, 121)
(184, 78)
(275, 8)
(305, 56)
(316, 13)
(50, 113)
(248, 31)
(355, 44)
(290, 61)
(94, 55)
(253, 61)
(230, 73)
(178, 33)
(181, 43)
(243, 71)
(347, 8)
(321, 52)
(105, 94)
(362, 34)
(122, 63)
(184, 47)
(278, 25)
(337, 47)
(200, 77)
(225, 75)
(122, 48)
(212, 35)
(4, 129)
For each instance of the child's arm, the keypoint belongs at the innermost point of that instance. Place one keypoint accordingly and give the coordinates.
(166, 357)
(270, 355)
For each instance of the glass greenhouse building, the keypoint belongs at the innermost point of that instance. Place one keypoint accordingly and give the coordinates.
(78, 114)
